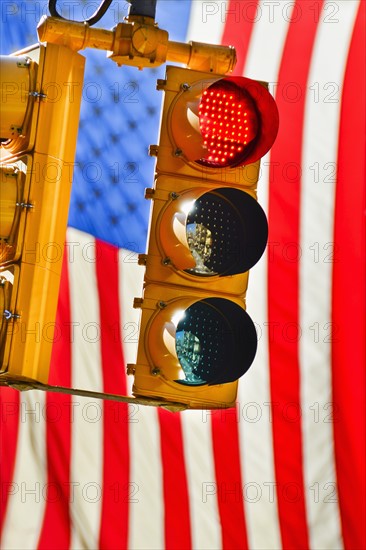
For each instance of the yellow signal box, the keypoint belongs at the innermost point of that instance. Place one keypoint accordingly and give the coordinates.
(41, 91)
(206, 231)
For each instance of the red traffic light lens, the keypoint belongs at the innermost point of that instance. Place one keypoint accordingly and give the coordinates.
(222, 123)
(229, 124)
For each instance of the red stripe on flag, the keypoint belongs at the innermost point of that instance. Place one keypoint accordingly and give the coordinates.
(55, 532)
(9, 403)
(116, 467)
(349, 298)
(283, 278)
(177, 524)
(230, 489)
(239, 20)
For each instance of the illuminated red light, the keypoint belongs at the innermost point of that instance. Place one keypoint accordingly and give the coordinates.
(222, 136)
(233, 114)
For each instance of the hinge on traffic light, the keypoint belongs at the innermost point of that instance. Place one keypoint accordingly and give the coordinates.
(142, 259)
(16, 129)
(130, 369)
(9, 314)
(153, 193)
(23, 63)
(25, 205)
(160, 84)
(38, 95)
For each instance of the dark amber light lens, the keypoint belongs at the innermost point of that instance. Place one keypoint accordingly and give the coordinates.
(216, 342)
(226, 233)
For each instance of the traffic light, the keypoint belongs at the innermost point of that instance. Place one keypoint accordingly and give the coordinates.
(206, 231)
(40, 102)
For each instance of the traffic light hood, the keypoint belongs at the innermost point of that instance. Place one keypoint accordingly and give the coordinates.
(217, 232)
(202, 341)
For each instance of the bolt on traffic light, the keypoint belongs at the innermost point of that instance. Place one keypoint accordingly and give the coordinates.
(206, 231)
(40, 102)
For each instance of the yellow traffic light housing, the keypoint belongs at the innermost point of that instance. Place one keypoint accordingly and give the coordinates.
(206, 231)
(39, 124)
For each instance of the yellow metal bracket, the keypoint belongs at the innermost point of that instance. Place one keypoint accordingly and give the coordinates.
(23, 384)
(138, 42)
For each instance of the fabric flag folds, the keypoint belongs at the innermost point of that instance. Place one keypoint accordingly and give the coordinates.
(286, 468)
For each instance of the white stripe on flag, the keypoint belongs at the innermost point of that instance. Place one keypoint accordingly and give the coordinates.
(146, 521)
(319, 171)
(27, 505)
(87, 424)
(206, 23)
(201, 480)
(86, 329)
(131, 277)
(267, 41)
(263, 63)
(254, 413)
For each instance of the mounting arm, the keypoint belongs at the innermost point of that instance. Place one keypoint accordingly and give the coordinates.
(138, 42)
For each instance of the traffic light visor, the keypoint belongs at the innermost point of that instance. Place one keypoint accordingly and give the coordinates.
(227, 122)
(17, 88)
(212, 341)
(217, 233)
(9, 276)
(12, 215)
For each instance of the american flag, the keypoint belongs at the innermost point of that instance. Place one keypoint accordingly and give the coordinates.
(285, 469)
